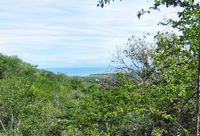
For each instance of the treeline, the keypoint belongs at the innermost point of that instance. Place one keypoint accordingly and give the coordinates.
(159, 99)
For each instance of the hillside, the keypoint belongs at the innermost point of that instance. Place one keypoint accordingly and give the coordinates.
(29, 95)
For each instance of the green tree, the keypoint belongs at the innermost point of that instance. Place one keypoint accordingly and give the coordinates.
(189, 25)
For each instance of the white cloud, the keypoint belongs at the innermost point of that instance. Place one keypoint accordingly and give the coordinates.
(62, 32)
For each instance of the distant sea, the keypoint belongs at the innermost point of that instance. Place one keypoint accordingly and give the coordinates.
(81, 71)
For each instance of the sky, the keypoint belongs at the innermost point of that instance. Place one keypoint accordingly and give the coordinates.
(72, 33)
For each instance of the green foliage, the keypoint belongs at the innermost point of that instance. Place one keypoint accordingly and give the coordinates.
(29, 98)
(39, 102)
(171, 93)
(103, 2)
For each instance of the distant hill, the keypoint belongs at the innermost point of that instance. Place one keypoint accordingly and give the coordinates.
(96, 78)
(79, 71)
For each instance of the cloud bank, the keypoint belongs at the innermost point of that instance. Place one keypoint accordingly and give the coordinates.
(66, 33)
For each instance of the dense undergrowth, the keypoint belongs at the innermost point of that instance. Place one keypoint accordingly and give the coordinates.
(39, 102)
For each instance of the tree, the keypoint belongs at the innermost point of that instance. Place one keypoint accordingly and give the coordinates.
(135, 60)
(174, 78)
(189, 24)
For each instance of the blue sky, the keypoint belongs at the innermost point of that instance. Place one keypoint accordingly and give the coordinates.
(72, 33)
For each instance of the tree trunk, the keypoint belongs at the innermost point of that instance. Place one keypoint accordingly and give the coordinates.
(198, 91)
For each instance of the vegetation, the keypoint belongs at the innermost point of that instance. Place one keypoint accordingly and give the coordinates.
(154, 94)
